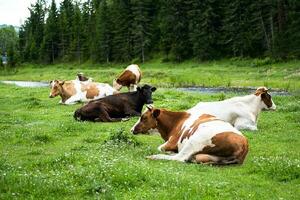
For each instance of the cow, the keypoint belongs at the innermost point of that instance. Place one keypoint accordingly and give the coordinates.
(193, 138)
(116, 107)
(241, 112)
(81, 77)
(130, 77)
(75, 91)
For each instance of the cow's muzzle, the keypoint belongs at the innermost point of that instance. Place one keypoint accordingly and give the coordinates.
(149, 102)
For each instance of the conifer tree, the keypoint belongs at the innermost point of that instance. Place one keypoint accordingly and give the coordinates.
(76, 40)
(104, 33)
(122, 30)
(142, 27)
(51, 35)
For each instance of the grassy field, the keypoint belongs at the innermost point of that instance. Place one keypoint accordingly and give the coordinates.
(46, 154)
(228, 73)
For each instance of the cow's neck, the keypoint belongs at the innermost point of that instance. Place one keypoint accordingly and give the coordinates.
(64, 94)
(253, 101)
(169, 123)
(138, 102)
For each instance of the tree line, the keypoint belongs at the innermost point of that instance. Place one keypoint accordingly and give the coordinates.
(126, 30)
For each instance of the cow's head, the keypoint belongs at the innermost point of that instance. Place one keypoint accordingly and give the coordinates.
(81, 77)
(267, 102)
(147, 121)
(146, 93)
(56, 88)
(116, 84)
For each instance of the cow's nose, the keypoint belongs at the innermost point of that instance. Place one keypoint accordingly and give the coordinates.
(149, 102)
(133, 131)
(50, 96)
(273, 108)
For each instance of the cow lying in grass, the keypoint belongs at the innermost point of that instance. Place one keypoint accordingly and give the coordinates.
(130, 77)
(241, 112)
(200, 139)
(116, 107)
(75, 91)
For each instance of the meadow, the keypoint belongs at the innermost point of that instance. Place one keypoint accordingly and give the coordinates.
(46, 154)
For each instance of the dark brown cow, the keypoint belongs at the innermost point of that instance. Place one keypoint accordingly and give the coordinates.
(116, 107)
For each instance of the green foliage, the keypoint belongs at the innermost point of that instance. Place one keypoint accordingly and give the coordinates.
(122, 136)
(123, 30)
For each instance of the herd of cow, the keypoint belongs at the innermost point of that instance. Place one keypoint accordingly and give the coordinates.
(207, 133)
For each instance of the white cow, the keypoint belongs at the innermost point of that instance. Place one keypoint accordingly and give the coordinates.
(241, 112)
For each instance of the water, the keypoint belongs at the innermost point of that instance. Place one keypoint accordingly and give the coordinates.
(237, 90)
(205, 90)
(27, 83)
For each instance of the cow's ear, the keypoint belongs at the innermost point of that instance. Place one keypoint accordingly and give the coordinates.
(153, 89)
(51, 82)
(156, 113)
(149, 108)
(61, 82)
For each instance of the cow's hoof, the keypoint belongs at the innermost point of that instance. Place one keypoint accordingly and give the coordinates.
(152, 157)
(125, 119)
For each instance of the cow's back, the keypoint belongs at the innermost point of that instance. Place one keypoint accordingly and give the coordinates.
(227, 111)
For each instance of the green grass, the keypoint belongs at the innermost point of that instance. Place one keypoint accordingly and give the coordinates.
(46, 154)
(228, 73)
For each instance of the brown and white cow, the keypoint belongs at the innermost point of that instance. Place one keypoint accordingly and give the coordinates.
(242, 112)
(79, 91)
(130, 77)
(81, 77)
(194, 138)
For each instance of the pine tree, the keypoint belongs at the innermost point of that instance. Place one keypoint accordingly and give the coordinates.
(122, 30)
(142, 27)
(104, 33)
(202, 30)
(175, 29)
(76, 40)
(65, 18)
(86, 46)
(51, 35)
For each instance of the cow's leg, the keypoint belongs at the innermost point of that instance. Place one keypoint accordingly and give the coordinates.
(132, 112)
(206, 159)
(215, 160)
(104, 117)
(133, 87)
(72, 100)
(190, 148)
(245, 123)
(170, 145)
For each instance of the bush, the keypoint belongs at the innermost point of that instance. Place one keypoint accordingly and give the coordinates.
(121, 136)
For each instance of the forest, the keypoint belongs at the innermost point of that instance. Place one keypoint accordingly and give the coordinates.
(176, 30)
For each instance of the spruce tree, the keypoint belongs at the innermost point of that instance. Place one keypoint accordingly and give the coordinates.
(104, 33)
(142, 27)
(122, 30)
(76, 40)
(51, 35)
